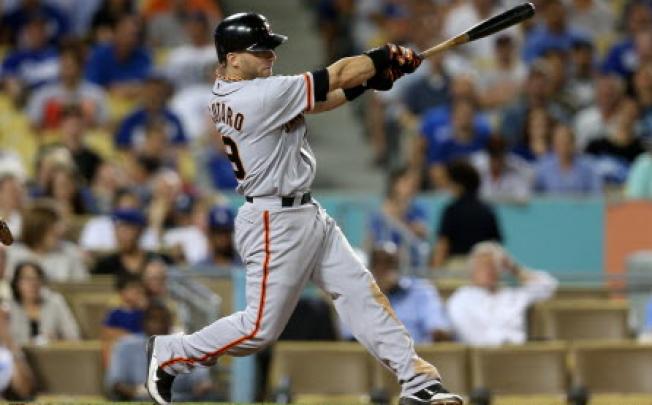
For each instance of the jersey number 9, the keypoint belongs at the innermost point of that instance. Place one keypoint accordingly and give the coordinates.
(234, 157)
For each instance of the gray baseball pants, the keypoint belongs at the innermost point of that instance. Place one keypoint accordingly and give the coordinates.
(282, 249)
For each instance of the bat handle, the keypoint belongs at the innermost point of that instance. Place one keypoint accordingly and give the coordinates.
(448, 44)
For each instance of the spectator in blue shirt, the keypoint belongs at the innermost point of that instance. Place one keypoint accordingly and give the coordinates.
(449, 139)
(415, 301)
(622, 58)
(122, 62)
(34, 63)
(553, 33)
(128, 317)
(132, 130)
(125, 377)
(402, 221)
(15, 20)
(565, 172)
(536, 95)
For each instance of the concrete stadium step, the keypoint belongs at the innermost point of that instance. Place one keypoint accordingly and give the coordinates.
(343, 157)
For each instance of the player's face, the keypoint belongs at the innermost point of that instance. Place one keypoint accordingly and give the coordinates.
(256, 64)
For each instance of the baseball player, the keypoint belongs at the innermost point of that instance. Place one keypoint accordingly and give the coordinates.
(282, 234)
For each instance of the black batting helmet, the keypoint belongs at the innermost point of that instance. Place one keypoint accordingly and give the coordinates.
(245, 32)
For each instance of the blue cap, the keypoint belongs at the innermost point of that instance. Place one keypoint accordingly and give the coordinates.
(129, 216)
(221, 218)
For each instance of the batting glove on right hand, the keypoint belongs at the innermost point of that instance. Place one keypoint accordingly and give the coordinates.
(384, 80)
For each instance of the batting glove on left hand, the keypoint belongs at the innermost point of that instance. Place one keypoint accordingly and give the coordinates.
(403, 58)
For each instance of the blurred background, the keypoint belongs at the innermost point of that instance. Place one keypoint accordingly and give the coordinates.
(500, 195)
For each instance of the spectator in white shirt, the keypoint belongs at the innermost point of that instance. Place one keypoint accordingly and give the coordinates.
(486, 314)
(504, 176)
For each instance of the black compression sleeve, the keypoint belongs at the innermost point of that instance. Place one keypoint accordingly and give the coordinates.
(320, 79)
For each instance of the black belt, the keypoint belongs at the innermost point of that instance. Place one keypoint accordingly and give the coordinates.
(288, 201)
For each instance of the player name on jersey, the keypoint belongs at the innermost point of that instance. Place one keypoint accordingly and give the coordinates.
(220, 112)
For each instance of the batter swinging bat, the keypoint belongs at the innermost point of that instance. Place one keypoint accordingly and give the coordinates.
(489, 26)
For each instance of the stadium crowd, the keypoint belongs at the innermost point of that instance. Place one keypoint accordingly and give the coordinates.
(110, 165)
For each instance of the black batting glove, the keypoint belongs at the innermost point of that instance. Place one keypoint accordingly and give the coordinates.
(403, 58)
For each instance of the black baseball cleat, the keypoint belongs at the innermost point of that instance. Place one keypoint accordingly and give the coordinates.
(159, 383)
(432, 395)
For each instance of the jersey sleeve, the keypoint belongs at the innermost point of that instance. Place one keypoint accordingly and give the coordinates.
(285, 97)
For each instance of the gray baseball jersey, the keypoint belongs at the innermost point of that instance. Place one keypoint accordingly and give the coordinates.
(264, 133)
(285, 247)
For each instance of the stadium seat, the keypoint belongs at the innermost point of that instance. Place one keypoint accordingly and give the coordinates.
(450, 359)
(90, 309)
(612, 367)
(67, 368)
(534, 368)
(320, 368)
(223, 287)
(582, 319)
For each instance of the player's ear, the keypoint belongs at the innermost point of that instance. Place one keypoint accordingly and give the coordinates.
(233, 59)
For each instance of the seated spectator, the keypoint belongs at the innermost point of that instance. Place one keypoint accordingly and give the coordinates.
(581, 79)
(467, 14)
(73, 130)
(564, 172)
(556, 60)
(5, 289)
(155, 146)
(222, 252)
(486, 314)
(130, 258)
(402, 221)
(186, 235)
(42, 242)
(15, 20)
(554, 31)
(466, 220)
(622, 58)
(537, 136)
(122, 63)
(503, 175)
(189, 104)
(616, 151)
(106, 18)
(167, 16)
(459, 138)
(47, 105)
(17, 381)
(501, 82)
(155, 282)
(643, 93)
(536, 95)
(111, 177)
(639, 179)
(37, 314)
(48, 158)
(34, 63)
(155, 95)
(219, 167)
(125, 377)
(596, 18)
(415, 301)
(65, 188)
(12, 200)
(595, 121)
(429, 91)
(190, 60)
(128, 317)
(99, 233)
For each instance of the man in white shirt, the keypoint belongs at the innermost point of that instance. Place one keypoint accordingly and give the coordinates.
(486, 314)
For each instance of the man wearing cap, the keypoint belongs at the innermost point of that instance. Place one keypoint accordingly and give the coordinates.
(130, 257)
(220, 238)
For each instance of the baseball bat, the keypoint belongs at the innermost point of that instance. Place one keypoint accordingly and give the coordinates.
(487, 27)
